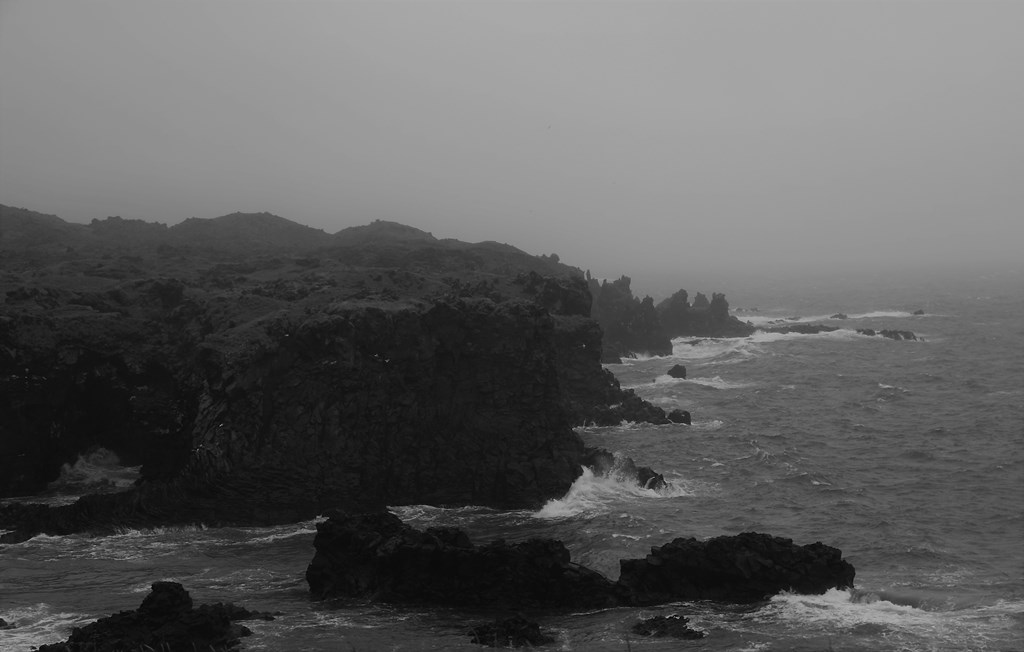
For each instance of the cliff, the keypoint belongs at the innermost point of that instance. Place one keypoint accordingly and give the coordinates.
(258, 382)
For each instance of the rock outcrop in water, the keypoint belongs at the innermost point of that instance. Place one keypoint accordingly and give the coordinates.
(814, 329)
(260, 371)
(703, 318)
(378, 557)
(630, 324)
(741, 568)
(166, 620)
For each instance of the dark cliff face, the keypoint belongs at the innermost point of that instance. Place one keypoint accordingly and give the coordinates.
(450, 402)
(265, 385)
(454, 402)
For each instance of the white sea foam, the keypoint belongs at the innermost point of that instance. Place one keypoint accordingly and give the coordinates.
(38, 624)
(903, 620)
(595, 494)
(95, 471)
(765, 337)
(713, 424)
(710, 350)
(783, 320)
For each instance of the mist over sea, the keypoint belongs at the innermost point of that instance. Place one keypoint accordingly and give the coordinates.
(908, 456)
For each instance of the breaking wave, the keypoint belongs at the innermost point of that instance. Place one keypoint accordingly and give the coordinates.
(596, 494)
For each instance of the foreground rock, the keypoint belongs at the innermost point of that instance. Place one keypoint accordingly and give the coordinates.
(378, 557)
(166, 620)
(742, 568)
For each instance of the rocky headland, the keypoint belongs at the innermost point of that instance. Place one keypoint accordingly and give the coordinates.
(260, 371)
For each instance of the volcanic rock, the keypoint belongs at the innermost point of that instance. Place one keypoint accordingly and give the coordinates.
(677, 371)
(166, 620)
(376, 556)
(748, 567)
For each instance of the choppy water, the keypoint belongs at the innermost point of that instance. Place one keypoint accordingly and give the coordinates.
(908, 456)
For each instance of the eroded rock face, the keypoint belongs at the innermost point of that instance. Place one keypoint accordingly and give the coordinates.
(376, 556)
(452, 402)
(262, 372)
(166, 620)
(747, 567)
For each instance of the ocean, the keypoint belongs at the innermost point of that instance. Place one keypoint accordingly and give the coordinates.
(906, 455)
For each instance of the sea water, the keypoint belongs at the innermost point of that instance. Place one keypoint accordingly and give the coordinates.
(908, 456)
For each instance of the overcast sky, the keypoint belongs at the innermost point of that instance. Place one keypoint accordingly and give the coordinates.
(624, 136)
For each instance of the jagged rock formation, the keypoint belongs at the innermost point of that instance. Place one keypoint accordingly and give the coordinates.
(376, 556)
(166, 620)
(702, 319)
(260, 385)
(630, 324)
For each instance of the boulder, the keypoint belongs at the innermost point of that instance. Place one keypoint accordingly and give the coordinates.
(677, 371)
(680, 416)
(744, 568)
(166, 620)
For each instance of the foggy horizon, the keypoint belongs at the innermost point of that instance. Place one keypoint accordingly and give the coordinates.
(645, 139)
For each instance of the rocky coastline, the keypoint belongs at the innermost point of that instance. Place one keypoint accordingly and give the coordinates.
(261, 372)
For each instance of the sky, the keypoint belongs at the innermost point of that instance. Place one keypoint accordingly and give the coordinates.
(627, 137)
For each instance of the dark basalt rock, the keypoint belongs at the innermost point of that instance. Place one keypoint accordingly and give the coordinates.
(896, 334)
(630, 324)
(593, 394)
(674, 626)
(166, 620)
(814, 329)
(510, 632)
(703, 318)
(745, 568)
(680, 416)
(376, 556)
(261, 372)
(677, 371)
